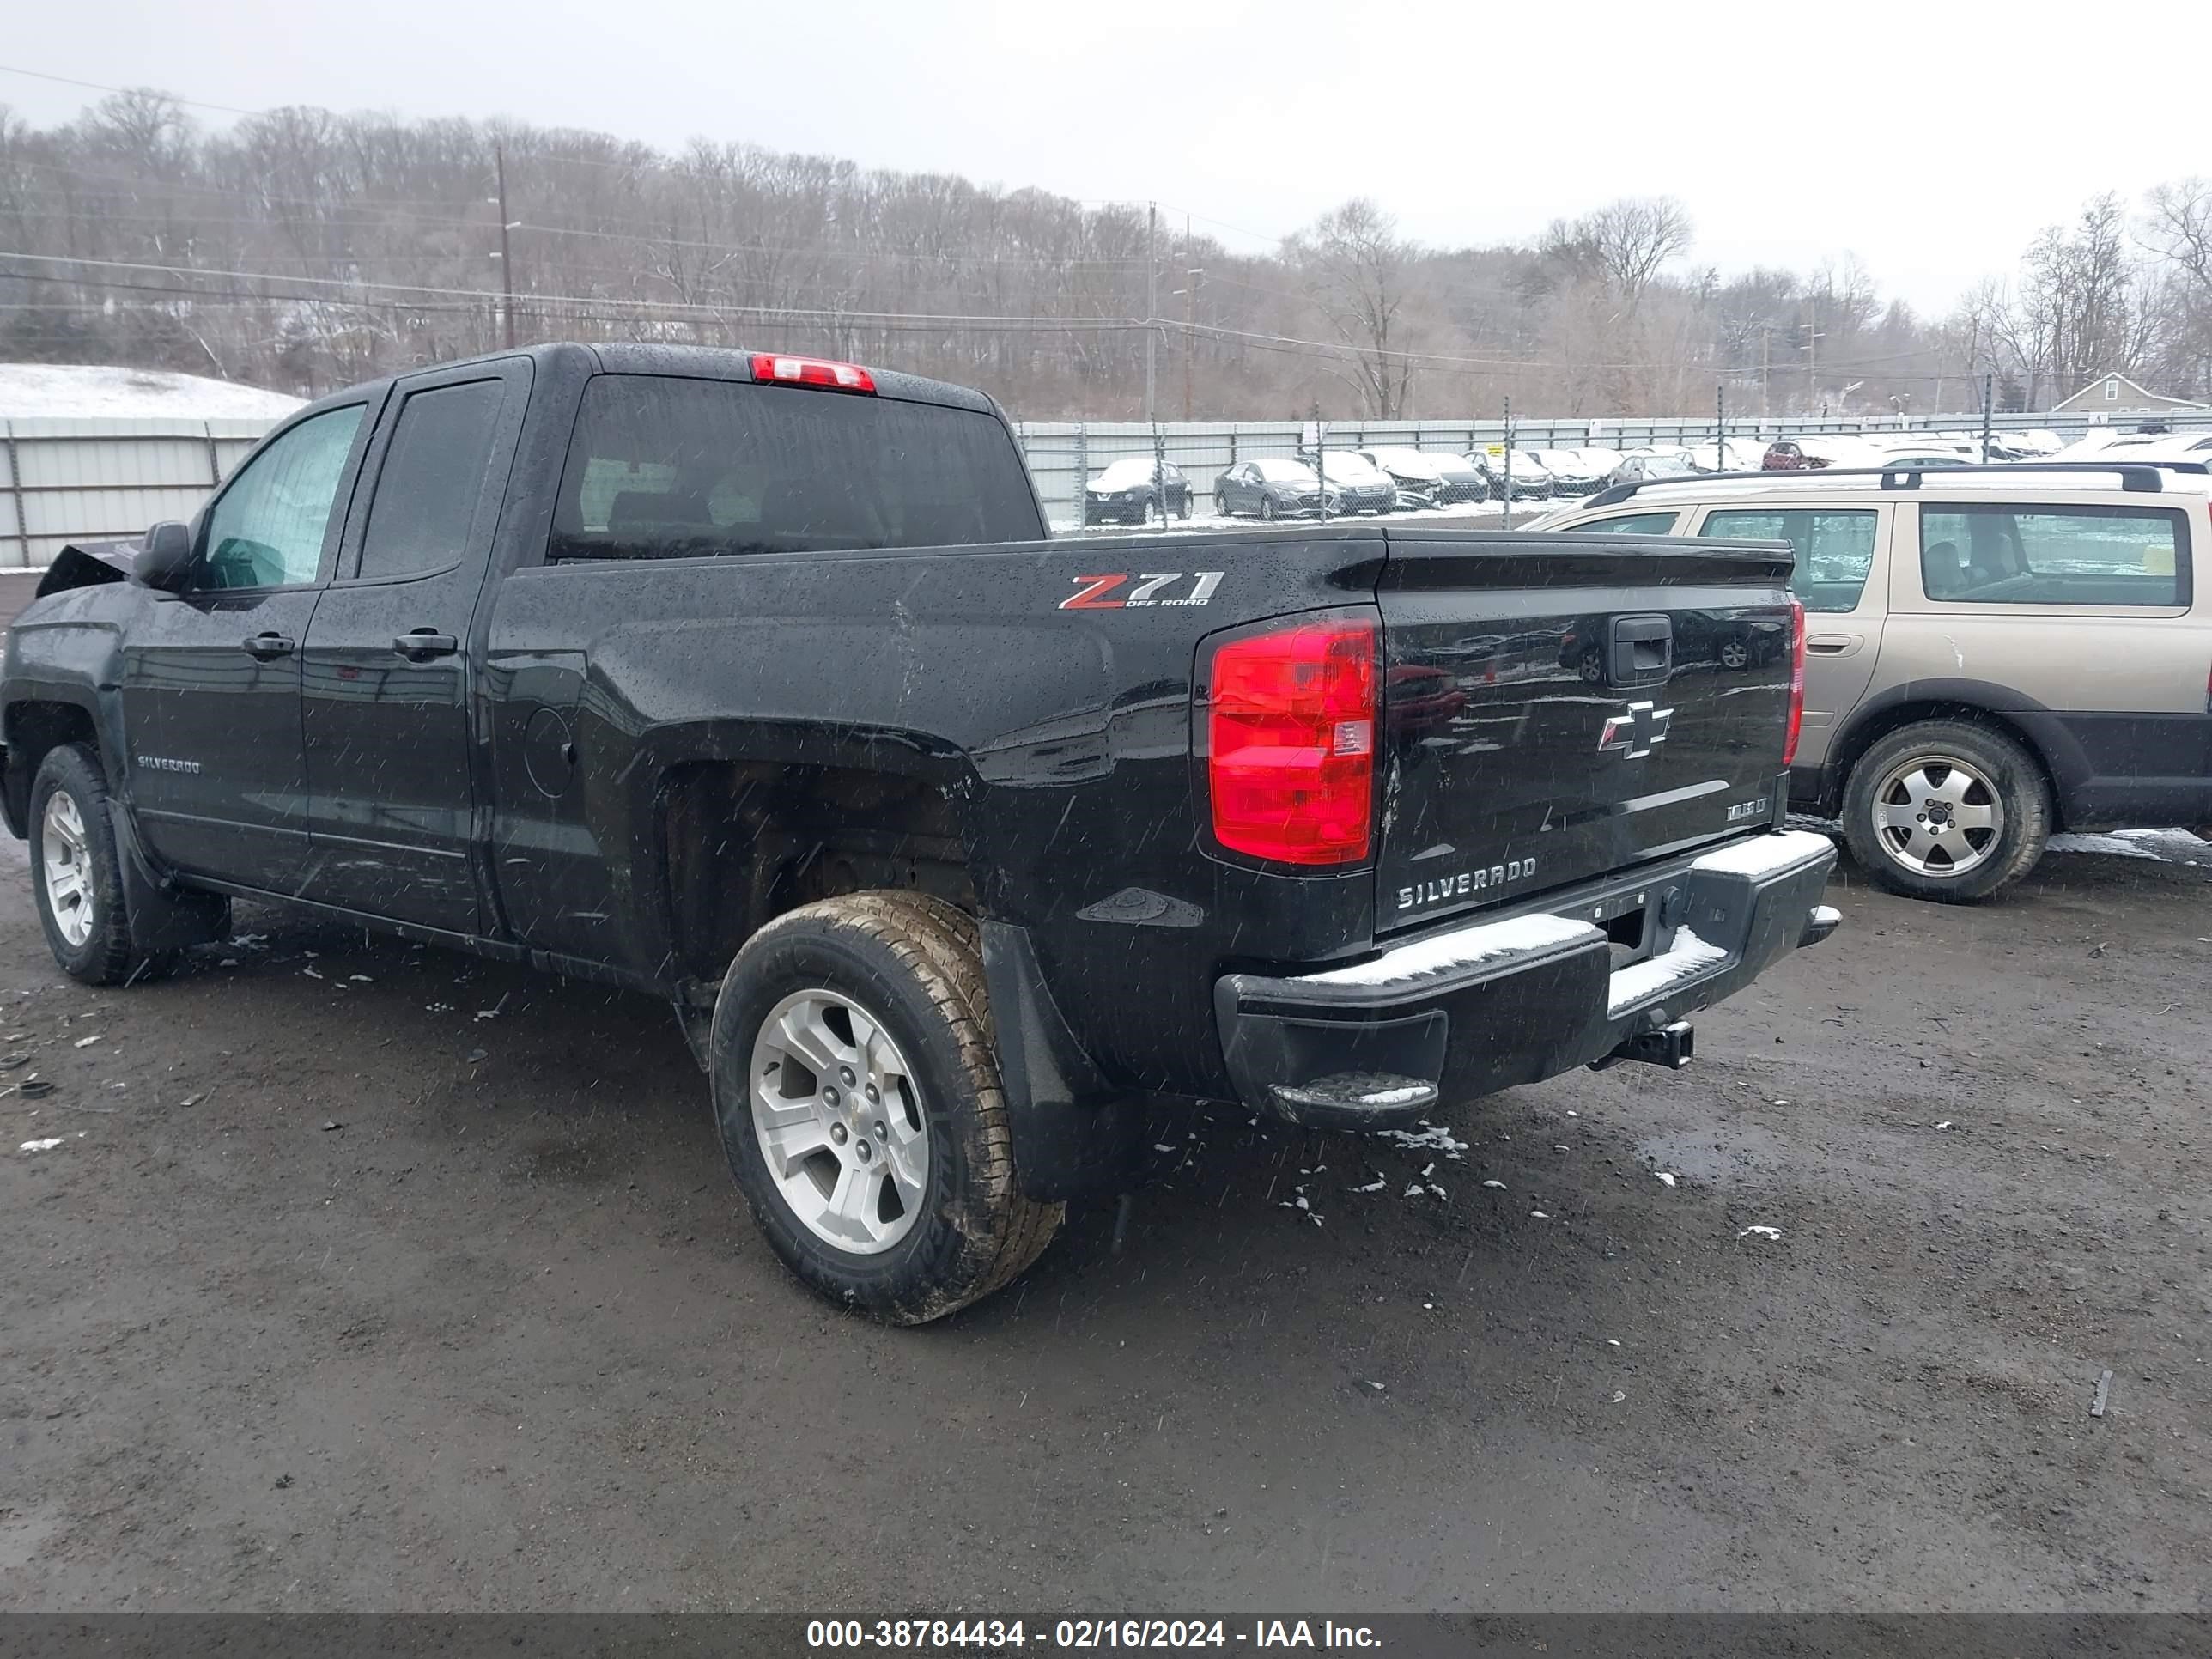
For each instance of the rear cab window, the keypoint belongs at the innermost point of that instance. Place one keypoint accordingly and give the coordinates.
(1835, 547)
(2074, 554)
(661, 467)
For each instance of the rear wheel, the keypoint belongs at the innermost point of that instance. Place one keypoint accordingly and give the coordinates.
(860, 1106)
(1946, 809)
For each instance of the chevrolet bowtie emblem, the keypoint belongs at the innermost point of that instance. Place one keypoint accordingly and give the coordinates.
(1639, 732)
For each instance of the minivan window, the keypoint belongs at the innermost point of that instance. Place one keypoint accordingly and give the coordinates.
(664, 468)
(1835, 548)
(1980, 553)
(431, 479)
(1629, 524)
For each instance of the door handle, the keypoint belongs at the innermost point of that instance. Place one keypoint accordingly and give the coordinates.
(265, 646)
(423, 644)
(1834, 645)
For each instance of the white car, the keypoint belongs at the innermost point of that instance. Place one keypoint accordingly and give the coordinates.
(1732, 455)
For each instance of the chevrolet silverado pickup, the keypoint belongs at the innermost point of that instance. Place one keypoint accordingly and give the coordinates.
(755, 682)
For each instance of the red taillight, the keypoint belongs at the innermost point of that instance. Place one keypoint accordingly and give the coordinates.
(1797, 679)
(813, 371)
(1291, 744)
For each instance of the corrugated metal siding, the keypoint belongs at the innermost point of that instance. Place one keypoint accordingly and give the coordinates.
(93, 480)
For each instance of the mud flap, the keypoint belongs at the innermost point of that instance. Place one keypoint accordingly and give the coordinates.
(163, 916)
(1073, 1133)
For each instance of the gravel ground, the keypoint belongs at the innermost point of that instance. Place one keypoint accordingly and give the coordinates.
(365, 1277)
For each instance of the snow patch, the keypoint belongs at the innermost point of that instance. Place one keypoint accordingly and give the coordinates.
(1688, 955)
(1760, 1232)
(1460, 949)
(1429, 1138)
(1763, 855)
(85, 392)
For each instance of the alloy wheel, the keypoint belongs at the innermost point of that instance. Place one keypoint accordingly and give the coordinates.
(838, 1115)
(1936, 815)
(67, 868)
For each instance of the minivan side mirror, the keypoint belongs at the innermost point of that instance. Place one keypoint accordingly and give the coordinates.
(164, 555)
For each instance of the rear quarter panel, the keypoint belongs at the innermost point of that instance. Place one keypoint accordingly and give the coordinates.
(1060, 726)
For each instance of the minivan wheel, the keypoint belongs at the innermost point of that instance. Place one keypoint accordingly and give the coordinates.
(858, 1098)
(1946, 809)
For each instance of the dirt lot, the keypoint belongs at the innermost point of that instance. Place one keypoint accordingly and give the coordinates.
(339, 1292)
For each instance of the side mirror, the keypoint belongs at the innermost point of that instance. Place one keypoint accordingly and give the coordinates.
(163, 556)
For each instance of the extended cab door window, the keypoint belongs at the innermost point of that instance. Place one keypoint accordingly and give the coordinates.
(388, 665)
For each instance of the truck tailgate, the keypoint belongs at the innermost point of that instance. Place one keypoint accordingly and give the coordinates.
(1558, 707)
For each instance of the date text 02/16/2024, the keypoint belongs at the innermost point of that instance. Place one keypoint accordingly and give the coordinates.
(1080, 1634)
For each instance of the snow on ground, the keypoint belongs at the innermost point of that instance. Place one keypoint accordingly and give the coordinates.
(89, 391)
(2169, 846)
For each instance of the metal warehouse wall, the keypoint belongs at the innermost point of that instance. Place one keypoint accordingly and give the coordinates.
(95, 480)
(102, 480)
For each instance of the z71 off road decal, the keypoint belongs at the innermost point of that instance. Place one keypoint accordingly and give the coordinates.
(1093, 594)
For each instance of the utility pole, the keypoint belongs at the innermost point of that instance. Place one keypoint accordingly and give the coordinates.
(1506, 475)
(1989, 397)
(1151, 308)
(506, 251)
(1765, 370)
(1813, 358)
(1720, 428)
(1190, 276)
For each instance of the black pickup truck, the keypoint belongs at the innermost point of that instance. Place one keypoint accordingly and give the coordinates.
(755, 682)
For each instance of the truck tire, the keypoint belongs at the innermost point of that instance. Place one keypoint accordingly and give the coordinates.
(76, 875)
(1946, 809)
(857, 1095)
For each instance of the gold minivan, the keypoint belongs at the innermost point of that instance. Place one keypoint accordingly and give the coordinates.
(1993, 654)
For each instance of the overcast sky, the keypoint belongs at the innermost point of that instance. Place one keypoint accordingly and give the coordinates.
(1931, 139)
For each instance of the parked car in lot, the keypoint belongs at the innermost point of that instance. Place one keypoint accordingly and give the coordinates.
(1993, 653)
(1733, 455)
(1644, 465)
(1360, 485)
(961, 853)
(1425, 479)
(1273, 489)
(1127, 492)
(1576, 471)
(1529, 481)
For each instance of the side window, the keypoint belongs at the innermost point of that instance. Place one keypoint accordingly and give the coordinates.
(267, 530)
(432, 481)
(1628, 523)
(1992, 555)
(1835, 548)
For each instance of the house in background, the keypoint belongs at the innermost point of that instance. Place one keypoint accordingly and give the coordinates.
(2116, 398)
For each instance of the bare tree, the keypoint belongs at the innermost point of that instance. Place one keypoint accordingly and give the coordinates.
(1355, 267)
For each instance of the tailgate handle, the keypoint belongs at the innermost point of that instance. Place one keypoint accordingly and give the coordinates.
(1643, 650)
